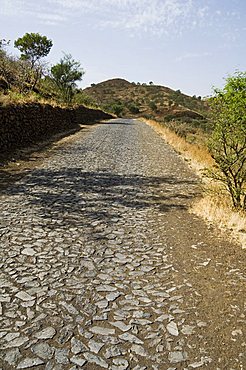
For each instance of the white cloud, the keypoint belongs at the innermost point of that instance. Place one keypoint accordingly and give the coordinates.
(37, 10)
(9, 8)
(51, 19)
(193, 55)
(74, 5)
(203, 12)
(144, 15)
(158, 17)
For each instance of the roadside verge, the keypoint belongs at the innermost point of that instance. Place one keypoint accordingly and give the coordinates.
(214, 205)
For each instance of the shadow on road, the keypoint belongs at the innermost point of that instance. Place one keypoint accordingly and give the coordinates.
(78, 197)
(121, 121)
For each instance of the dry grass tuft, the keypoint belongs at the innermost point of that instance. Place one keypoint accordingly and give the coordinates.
(215, 206)
(198, 156)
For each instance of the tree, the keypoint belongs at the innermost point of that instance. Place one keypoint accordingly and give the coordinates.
(65, 75)
(228, 142)
(33, 48)
(9, 70)
(4, 43)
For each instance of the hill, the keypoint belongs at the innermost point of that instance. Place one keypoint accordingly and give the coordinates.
(151, 101)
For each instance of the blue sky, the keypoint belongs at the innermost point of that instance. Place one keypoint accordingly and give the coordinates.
(189, 45)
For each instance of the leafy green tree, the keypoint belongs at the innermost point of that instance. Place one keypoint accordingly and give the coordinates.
(33, 47)
(65, 75)
(228, 142)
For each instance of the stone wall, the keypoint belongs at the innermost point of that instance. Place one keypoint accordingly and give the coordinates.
(22, 125)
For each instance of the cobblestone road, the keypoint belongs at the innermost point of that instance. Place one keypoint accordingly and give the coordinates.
(89, 274)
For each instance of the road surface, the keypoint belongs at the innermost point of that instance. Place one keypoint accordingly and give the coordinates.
(103, 265)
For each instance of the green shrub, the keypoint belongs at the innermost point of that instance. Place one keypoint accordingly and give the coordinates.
(228, 142)
(134, 109)
(153, 106)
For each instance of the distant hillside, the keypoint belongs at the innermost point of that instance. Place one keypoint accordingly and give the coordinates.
(152, 101)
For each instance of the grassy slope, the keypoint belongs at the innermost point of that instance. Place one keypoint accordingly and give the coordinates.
(167, 101)
(184, 114)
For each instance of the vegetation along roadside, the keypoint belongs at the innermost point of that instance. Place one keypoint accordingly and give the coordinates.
(219, 158)
(29, 78)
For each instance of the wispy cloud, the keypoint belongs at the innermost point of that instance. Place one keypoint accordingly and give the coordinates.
(158, 17)
(193, 56)
(37, 10)
(51, 19)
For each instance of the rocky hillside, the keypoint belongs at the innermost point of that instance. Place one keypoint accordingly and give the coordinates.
(152, 101)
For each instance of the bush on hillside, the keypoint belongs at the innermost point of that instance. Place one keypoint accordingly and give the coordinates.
(133, 108)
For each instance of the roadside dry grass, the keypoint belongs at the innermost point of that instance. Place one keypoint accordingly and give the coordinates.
(15, 98)
(198, 156)
(214, 205)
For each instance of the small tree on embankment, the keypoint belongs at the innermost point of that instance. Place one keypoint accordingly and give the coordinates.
(65, 74)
